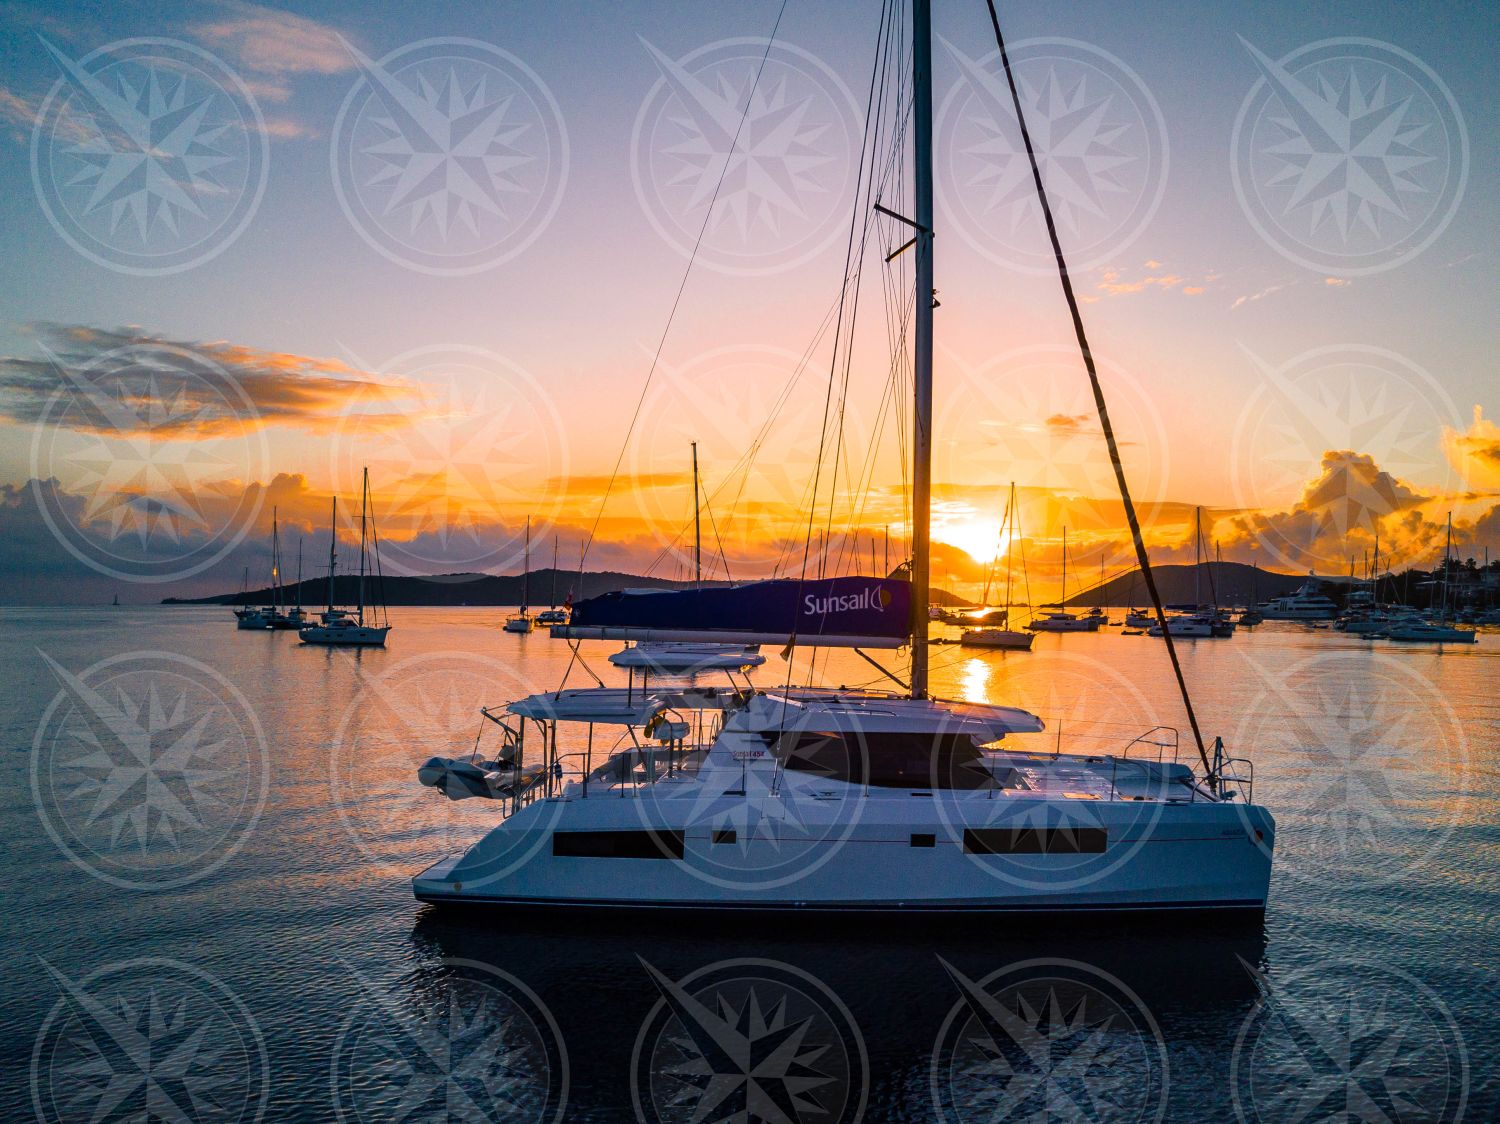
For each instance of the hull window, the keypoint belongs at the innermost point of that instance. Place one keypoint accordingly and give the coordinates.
(1036, 841)
(617, 844)
(922, 840)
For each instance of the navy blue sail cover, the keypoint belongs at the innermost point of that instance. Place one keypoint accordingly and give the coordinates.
(848, 606)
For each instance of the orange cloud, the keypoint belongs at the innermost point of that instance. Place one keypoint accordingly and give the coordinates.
(126, 383)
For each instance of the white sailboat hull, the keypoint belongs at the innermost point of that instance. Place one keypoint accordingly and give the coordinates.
(351, 636)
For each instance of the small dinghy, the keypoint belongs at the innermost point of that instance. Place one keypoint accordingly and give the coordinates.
(458, 778)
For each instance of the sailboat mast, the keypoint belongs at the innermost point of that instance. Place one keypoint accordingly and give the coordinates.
(275, 564)
(299, 575)
(333, 542)
(921, 498)
(364, 494)
(1010, 541)
(553, 603)
(1197, 557)
(697, 525)
(1062, 603)
(526, 572)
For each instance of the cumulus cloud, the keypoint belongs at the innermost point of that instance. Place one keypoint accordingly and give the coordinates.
(1475, 451)
(125, 382)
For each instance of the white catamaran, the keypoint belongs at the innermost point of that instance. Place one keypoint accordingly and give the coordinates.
(840, 800)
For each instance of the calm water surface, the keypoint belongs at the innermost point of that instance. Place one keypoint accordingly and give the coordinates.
(240, 929)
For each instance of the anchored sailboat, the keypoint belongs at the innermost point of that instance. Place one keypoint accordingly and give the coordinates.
(1006, 638)
(364, 627)
(685, 657)
(521, 621)
(804, 799)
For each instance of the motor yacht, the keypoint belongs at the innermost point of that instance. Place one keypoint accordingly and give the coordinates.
(1307, 604)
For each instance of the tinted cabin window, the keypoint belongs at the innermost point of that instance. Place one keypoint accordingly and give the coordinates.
(618, 844)
(887, 760)
(1036, 841)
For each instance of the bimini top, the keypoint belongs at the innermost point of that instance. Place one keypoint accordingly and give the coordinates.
(621, 706)
(875, 712)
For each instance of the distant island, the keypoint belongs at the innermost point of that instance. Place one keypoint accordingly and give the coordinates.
(1224, 583)
(468, 589)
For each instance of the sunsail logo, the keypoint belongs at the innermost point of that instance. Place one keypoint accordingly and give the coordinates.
(875, 597)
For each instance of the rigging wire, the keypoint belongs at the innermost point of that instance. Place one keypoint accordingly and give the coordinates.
(1088, 361)
(682, 286)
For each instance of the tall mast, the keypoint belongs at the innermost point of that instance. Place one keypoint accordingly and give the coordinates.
(553, 603)
(299, 574)
(364, 493)
(1197, 557)
(921, 491)
(1447, 568)
(1010, 530)
(333, 542)
(275, 563)
(697, 526)
(1062, 604)
(526, 571)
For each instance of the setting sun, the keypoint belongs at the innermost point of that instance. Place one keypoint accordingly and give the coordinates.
(978, 538)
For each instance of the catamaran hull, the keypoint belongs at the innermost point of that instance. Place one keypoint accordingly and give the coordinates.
(1216, 857)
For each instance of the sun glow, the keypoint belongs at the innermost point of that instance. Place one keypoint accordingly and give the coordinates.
(978, 538)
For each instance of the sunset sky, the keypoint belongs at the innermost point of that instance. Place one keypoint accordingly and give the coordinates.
(251, 250)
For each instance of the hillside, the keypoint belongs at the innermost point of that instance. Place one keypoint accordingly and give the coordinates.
(468, 589)
(1230, 583)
